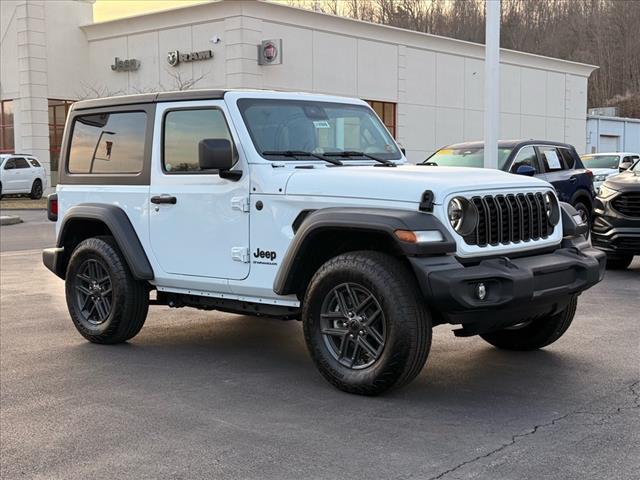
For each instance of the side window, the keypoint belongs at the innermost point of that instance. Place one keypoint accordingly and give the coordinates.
(183, 130)
(34, 162)
(567, 158)
(10, 164)
(108, 143)
(526, 156)
(551, 159)
(21, 163)
(630, 159)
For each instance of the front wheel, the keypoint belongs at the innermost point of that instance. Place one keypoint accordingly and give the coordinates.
(364, 323)
(107, 305)
(534, 334)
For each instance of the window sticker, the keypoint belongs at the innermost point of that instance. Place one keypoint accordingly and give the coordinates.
(321, 124)
(552, 159)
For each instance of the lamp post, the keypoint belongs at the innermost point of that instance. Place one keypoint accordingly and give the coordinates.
(95, 150)
(491, 83)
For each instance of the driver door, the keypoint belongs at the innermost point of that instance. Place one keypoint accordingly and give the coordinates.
(199, 222)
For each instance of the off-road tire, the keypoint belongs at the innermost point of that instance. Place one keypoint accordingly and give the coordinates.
(36, 190)
(130, 297)
(618, 262)
(408, 324)
(537, 334)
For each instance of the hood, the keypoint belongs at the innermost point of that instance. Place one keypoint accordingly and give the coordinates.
(624, 181)
(405, 183)
(604, 171)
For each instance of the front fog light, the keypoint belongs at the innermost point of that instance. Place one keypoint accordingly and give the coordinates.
(463, 215)
(481, 291)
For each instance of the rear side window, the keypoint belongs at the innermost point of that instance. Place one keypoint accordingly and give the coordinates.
(34, 162)
(108, 143)
(552, 159)
(183, 130)
(568, 159)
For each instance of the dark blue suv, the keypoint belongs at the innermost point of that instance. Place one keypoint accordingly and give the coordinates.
(557, 163)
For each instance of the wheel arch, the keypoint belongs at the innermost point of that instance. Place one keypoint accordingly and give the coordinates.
(90, 220)
(583, 196)
(325, 233)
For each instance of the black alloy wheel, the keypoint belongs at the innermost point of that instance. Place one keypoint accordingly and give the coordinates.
(353, 325)
(94, 292)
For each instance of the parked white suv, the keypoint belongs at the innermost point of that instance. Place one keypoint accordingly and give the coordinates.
(20, 173)
(606, 165)
(302, 206)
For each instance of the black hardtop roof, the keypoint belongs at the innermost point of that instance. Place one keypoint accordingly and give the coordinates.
(508, 144)
(140, 98)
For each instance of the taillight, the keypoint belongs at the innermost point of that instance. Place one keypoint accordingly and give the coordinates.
(52, 207)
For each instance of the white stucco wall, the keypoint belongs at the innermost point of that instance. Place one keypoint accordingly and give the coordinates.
(436, 82)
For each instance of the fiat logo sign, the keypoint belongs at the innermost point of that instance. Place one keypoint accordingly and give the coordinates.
(270, 52)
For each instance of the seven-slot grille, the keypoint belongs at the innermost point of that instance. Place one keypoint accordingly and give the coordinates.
(512, 218)
(628, 204)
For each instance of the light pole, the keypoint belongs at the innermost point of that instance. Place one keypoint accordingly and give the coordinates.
(95, 150)
(492, 83)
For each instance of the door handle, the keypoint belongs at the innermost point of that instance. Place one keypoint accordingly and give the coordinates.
(164, 199)
(573, 180)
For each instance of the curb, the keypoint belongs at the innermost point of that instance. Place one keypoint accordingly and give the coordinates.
(9, 220)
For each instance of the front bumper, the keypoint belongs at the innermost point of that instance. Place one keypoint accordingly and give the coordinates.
(517, 289)
(613, 232)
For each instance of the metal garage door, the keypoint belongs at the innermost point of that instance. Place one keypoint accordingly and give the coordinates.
(608, 143)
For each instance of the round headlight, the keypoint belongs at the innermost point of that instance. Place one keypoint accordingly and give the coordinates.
(552, 208)
(463, 215)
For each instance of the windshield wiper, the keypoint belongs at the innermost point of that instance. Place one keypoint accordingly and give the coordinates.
(428, 164)
(300, 153)
(352, 153)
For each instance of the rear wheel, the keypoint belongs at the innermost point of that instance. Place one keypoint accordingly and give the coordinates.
(107, 305)
(585, 214)
(535, 334)
(36, 190)
(364, 323)
(618, 262)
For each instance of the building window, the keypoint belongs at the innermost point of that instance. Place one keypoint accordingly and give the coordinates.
(387, 113)
(6, 126)
(58, 110)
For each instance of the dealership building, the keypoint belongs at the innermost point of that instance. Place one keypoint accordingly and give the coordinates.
(428, 90)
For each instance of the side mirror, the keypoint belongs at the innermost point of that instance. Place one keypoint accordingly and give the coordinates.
(625, 166)
(215, 154)
(526, 170)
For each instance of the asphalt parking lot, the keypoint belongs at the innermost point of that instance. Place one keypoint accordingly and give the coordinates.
(211, 395)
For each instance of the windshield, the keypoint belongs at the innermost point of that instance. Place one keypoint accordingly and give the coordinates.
(600, 161)
(277, 125)
(466, 157)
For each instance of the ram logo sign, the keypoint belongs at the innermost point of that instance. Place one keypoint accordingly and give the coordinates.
(175, 57)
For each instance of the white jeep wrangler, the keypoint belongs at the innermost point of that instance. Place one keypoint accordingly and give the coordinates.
(302, 206)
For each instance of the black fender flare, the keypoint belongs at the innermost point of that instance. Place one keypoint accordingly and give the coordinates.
(118, 223)
(378, 220)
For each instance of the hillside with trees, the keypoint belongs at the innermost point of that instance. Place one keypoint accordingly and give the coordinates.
(605, 33)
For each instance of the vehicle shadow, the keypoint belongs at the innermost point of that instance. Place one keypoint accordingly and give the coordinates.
(269, 358)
